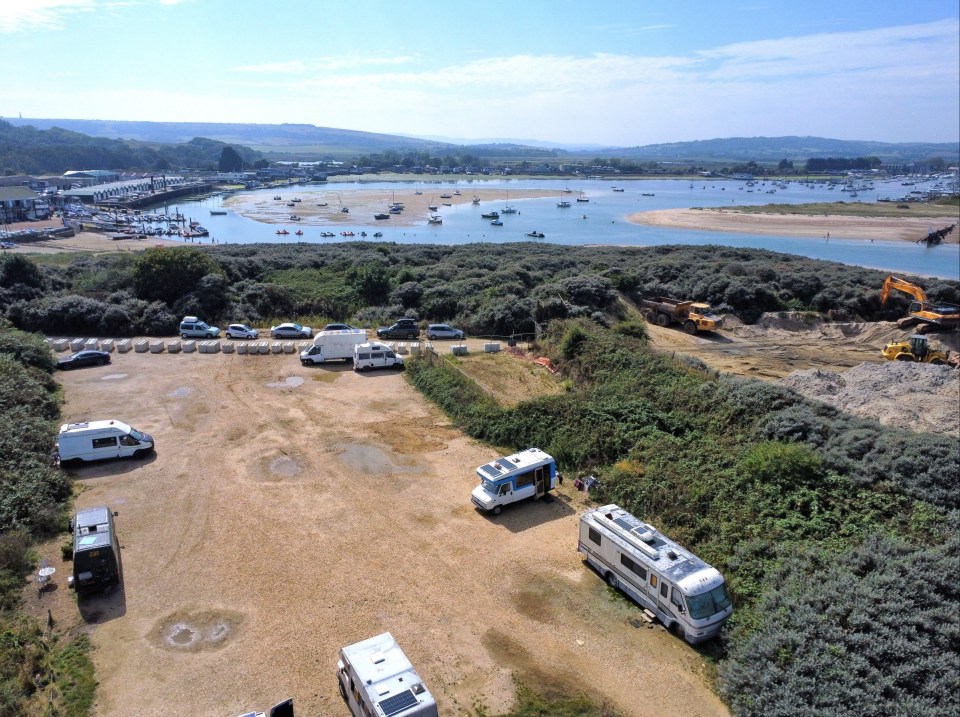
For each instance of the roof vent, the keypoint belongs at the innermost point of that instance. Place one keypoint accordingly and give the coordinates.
(672, 555)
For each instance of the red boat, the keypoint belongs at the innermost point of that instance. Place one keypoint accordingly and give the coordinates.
(282, 231)
(299, 232)
(347, 234)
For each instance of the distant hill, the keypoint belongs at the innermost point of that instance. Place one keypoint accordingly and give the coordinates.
(305, 141)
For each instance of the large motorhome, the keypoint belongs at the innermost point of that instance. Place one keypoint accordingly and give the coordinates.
(101, 440)
(333, 346)
(96, 550)
(683, 591)
(527, 474)
(376, 678)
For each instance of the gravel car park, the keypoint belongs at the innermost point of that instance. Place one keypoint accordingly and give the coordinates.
(291, 330)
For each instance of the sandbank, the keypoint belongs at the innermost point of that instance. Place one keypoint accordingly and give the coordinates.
(795, 225)
(323, 207)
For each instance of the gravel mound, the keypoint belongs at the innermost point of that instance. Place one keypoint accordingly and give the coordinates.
(919, 397)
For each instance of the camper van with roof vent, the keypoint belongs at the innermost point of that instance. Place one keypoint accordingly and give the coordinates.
(527, 474)
(101, 440)
(685, 593)
(376, 678)
(96, 550)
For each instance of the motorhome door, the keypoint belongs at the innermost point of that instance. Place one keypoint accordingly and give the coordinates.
(540, 478)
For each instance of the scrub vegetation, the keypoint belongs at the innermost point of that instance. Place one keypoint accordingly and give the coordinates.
(838, 537)
(485, 289)
(41, 672)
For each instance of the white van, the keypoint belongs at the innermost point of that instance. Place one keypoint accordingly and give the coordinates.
(527, 474)
(375, 355)
(376, 678)
(101, 440)
(334, 345)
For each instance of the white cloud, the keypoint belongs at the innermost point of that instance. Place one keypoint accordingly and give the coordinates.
(19, 16)
(325, 64)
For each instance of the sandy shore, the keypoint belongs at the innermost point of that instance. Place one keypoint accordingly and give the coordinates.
(795, 225)
(85, 241)
(322, 208)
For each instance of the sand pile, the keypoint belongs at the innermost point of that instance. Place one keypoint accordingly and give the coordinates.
(918, 397)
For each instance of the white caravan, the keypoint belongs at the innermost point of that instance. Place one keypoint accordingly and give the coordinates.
(375, 355)
(100, 440)
(376, 678)
(527, 474)
(684, 592)
(333, 346)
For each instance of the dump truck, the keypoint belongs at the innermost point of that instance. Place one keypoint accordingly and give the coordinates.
(693, 316)
(929, 315)
(916, 349)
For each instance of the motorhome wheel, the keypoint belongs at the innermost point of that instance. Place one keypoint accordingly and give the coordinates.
(497, 510)
(343, 691)
(612, 581)
(141, 453)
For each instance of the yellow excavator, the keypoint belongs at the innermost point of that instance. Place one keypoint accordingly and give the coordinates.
(916, 349)
(929, 315)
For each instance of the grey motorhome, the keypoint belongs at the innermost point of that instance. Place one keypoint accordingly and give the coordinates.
(683, 591)
(376, 678)
(96, 550)
(333, 345)
(101, 440)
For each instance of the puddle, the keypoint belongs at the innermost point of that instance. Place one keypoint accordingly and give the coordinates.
(181, 392)
(113, 377)
(285, 466)
(370, 459)
(288, 382)
(197, 631)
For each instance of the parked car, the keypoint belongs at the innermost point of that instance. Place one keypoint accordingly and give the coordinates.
(338, 327)
(443, 331)
(193, 328)
(291, 330)
(87, 357)
(241, 331)
(400, 330)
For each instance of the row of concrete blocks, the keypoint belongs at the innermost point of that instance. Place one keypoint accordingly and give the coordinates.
(175, 346)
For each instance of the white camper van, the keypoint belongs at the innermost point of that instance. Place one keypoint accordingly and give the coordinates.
(333, 346)
(375, 355)
(527, 474)
(100, 440)
(376, 678)
(684, 592)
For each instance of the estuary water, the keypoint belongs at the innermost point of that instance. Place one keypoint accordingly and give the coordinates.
(600, 221)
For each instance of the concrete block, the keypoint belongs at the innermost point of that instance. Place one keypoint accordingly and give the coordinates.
(241, 349)
(92, 344)
(77, 344)
(492, 347)
(228, 347)
(60, 344)
(189, 346)
(304, 345)
(414, 348)
(288, 347)
(156, 347)
(107, 345)
(174, 347)
(142, 346)
(276, 347)
(402, 348)
(459, 350)
(214, 346)
(124, 345)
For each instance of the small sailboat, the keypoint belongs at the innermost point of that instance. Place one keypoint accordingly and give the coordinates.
(343, 209)
(507, 209)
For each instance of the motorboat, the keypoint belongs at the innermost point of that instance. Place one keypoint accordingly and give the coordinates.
(278, 197)
(381, 215)
(347, 234)
(327, 234)
(217, 212)
(618, 189)
(490, 215)
(497, 223)
(199, 231)
(435, 219)
(476, 200)
(282, 231)
(564, 204)
(294, 218)
(535, 235)
(377, 235)
(299, 232)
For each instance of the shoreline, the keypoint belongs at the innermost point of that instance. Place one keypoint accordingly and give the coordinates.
(912, 229)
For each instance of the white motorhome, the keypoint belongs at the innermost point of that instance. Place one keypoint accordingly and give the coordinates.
(527, 474)
(376, 679)
(375, 355)
(100, 440)
(683, 591)
(333, 346)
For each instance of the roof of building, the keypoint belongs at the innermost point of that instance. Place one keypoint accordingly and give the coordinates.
(9, 194)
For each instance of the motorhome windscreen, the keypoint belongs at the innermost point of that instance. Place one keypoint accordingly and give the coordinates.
(489, 486)
(709, 603)
(136, 434)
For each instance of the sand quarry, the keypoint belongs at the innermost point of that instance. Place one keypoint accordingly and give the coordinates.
(289, 511)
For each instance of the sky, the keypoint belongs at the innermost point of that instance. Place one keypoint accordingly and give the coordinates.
(580, 72)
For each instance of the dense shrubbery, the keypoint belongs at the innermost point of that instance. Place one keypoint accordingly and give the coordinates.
(486, 289)
(791, 500)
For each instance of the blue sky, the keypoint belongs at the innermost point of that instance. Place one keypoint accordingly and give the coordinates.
(625, 73)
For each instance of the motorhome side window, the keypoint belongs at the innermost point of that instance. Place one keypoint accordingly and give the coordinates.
(653, 580)
(663, 589)
(104, 442)
(633, 567)
(363, 356)
(390, 354)
(676, 598)
(504, 489)
(128, 441)
(524, 480)
(594, 536)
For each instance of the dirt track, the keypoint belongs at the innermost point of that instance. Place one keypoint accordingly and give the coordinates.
(290, 511)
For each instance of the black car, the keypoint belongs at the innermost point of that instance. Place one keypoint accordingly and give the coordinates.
(88, 357)
(338, 327)
(400, 330)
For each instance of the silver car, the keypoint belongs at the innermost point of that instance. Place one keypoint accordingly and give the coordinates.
(241, 331)
(290, 330)
(443, 331)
